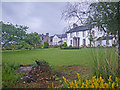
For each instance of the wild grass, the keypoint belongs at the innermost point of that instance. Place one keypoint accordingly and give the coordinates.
(105, 63)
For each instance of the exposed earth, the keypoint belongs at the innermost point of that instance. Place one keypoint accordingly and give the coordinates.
(35, 78)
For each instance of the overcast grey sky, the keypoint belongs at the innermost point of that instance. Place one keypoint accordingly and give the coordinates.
(41, 17)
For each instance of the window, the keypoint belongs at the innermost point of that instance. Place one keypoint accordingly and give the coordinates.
(71, 35)
(93, 32)
(84, 42)
(83, 33)
(77, 33)
(71, 42)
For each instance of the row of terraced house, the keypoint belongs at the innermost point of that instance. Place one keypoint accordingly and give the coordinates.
(78, 36)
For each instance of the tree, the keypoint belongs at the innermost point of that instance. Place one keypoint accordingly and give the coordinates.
(12, 33)
(33, 39)
(46, 44)
(78, 13)
(106, 16)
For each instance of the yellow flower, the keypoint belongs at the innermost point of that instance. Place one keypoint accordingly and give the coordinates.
(75, 81)
(92, 86)
(116, 79)
(117, 84)
(100, 78)
(106, 85)
(110, 80)
(113, 84)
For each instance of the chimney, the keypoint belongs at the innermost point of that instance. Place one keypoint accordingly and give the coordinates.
(75, 25)
(47, 34)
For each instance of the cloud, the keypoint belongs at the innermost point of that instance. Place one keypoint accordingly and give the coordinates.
(40, 17)
(34, 24)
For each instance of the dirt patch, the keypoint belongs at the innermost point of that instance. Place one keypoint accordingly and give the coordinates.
(24, 69)
(35, 78)
(79, 69)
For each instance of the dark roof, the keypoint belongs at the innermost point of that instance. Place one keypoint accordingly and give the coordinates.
(51, 38)
(77, 29)
(61, 35)
(42, 36)
(110, 38)
(105, 38)
(60, 41)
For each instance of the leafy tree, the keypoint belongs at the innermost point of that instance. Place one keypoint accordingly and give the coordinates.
(106, 16)
(12, 33)
(46, 44)
(33, 39)
(65, 44)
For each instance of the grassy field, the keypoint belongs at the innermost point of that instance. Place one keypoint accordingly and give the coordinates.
(54, 56)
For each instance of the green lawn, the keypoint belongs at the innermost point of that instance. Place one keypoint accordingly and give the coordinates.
(55, 56)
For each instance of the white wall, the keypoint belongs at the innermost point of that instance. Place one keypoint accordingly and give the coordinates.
(68, 40)
(80, 35)
(103, 43)
(64, 40)
(56, 40)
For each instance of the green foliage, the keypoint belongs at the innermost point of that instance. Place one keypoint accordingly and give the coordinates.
(70, 48)
(9, 77)
(105, 16)
(56, 46)
(57, 78)
(46, 44)
(65, 44)
(12, 33)
(33, 39)
(105, 64)
(60, 45)
(114, 45)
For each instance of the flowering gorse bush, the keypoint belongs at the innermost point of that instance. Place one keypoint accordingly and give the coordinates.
(95, 82)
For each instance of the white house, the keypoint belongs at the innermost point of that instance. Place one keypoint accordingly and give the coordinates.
(103, 41)
(59, 39)
(80, 35)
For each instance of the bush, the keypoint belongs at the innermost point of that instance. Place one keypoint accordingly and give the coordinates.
(46, 44)
(44, 65)
(56, 46)
(3, 48)
(114, 45)
(95, 82)
(65, 44)
(70, 48)
(9, 77)
(84, 46)
(60, 45)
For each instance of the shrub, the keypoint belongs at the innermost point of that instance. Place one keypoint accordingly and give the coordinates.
(46, 44)
(44, 65)
(65, 44)
(84, 46)
(95, 82)
(9, 77)
(114, 45)
(3, 48)
(56, 46)
(70, 48)
(60, 45)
